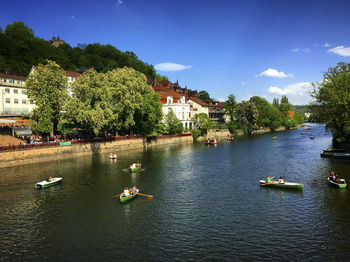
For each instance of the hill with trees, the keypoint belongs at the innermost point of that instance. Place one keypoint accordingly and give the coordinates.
(20, 49)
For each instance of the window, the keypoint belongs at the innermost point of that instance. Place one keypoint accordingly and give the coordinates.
(15, 91)
(5, 80)
(7, 90)
(8, 100)
(12, 81)
(183, 115)
(15, 101)
(24, 92)
(24, 101)
(19, 82)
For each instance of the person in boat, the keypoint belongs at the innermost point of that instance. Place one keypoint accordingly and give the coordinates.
(126, 191)
(133, 165)
(281, 180)
(269, 179)
(138, 164)
(50, 179)
(134, 189)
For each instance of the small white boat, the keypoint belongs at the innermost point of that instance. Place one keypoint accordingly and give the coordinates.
(48, 182)
(281, 185)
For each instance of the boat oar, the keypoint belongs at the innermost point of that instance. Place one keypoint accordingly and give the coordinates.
(149, 196)
(118, 194)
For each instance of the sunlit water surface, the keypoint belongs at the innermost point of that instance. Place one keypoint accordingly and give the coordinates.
(207, 205)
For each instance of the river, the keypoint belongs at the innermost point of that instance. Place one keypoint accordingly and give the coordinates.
(207, 205)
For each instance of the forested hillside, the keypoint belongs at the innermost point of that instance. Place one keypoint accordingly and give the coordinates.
(20, 49)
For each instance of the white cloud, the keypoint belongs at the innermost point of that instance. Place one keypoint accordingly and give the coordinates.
(274, 73)
(340, 50)
(171, 67)
(243, 83)
(72, 16)
(221, 99)
(305, 50)
(298, 93)
(326, 45)
(119, 2)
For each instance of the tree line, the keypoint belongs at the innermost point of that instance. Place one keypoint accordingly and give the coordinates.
(20, 50)
(118, 101)
(332, 105)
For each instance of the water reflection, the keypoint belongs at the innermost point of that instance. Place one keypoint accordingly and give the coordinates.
(207, 204)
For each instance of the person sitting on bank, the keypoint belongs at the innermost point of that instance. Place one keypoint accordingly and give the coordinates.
(281, 180)
(126, 191)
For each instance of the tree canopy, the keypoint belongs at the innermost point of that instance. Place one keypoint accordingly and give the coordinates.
(47, 86)
(20, 50)
(332, 104)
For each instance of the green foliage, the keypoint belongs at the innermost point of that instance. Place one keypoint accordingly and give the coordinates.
(160, 77)
(204, 95)
(232, 127)
(110, 102)
(230, 107)
(247, 116)
(173, 124)
(148, 116)
(285, 107)
(203, 122)
(276, 102)
(196, 133)
(20, 49)
(47, 86)
(332, 104)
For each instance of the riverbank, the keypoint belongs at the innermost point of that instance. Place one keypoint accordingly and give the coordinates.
(44, 154)
(224, 133)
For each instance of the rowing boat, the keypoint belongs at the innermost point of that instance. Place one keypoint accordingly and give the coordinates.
(134, 169)
(281, 185)
(123, 198)
(48, 182)
(342, 183)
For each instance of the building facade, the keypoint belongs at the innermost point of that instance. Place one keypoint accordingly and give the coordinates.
(13, 95)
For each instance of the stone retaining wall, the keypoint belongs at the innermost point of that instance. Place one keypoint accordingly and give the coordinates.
(21, 157)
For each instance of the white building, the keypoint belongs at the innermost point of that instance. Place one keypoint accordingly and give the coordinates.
(173, 101)
(13, 95)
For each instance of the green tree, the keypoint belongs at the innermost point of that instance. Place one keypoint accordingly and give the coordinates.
(247, 116)
(108, 102)
(173, 124)
(203, 122)
(230, 106)
(47, 86)
(148, 117)
(204, 95)
(332, 104)
(276, 102)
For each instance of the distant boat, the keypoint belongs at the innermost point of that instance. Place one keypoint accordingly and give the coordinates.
(213, 141)
(289, 185)
(113, 156)
(312, 137)
(48, 182)
(302, 133)
(274, 137)
(341, 184)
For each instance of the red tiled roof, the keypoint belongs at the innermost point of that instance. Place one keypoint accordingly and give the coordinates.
(70, 73)
(14, 77)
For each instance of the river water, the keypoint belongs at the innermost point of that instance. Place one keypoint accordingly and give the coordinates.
(207, 205)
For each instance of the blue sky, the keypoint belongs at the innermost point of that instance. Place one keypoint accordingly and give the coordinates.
(246, 48)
